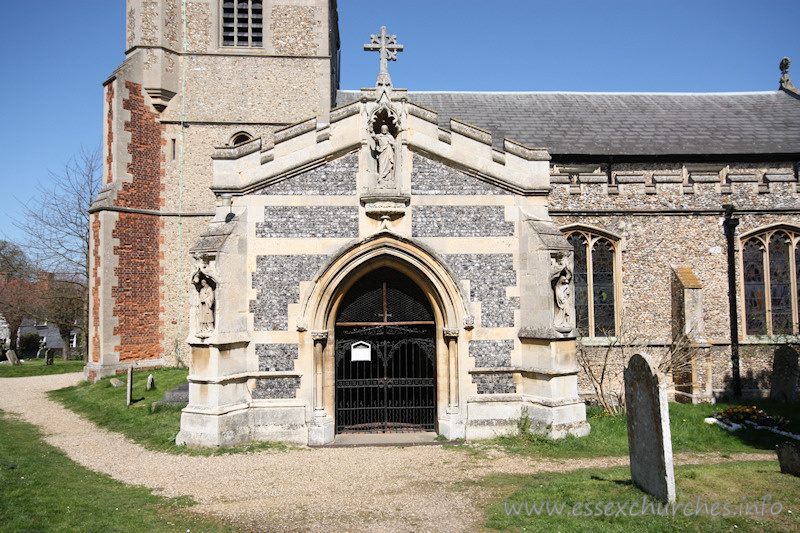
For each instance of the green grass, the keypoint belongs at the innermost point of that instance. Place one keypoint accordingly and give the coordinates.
(36, 367)
(43, 490)
(609, 435)
(724, 483)
(156, 430)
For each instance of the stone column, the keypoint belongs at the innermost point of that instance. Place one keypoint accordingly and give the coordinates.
(321, 430)
(320, 339)
(451, 338)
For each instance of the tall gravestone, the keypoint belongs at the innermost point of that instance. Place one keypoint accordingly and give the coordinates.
(783, 386)
(129, 395)
(649, 437)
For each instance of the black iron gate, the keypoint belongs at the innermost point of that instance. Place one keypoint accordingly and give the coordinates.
(385, 357)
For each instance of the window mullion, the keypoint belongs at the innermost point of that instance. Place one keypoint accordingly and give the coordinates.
(590, 283)
(793, 278)
(767, 286)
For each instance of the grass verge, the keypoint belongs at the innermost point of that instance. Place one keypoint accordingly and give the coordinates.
(758, 497)
(609, 436)
(36, 367)
(154, 429)
(43, 490)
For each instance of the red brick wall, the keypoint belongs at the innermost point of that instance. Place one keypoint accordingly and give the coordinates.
(137, 298)
(110, 131)
(95, 219)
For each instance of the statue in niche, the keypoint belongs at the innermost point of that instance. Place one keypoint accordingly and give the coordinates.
(561, 277)
(384, 154)
(206, 305)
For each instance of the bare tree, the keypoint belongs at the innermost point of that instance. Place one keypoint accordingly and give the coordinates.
(56, 224)
(605, 371)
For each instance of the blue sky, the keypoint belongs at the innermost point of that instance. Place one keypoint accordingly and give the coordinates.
(53, 66)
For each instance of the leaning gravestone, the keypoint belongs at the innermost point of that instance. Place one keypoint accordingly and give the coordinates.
(789, 458)
(116, 383)
(12, 358)
(783, 386)
(151, 384)
(649, 437)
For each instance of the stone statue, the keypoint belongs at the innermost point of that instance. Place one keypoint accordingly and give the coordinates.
(384, 150)
(561, 275)
(205, 311)
(562, 296)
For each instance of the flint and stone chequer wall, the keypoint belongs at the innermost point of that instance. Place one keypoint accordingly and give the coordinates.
(453, 211)
(668, 216)
(299, 213)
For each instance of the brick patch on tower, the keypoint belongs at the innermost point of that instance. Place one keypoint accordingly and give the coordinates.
(110, 132)
(96, 289)
(137, 295)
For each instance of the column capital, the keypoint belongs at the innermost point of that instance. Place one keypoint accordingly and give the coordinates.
(450, 333)
(320, 336)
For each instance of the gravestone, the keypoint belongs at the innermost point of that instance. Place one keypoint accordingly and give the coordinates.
(783, 387)
(48, 357)
(789, 458)
(11, 355)
(116, 383)
(130, 386)
(151, 384)
(649, 437)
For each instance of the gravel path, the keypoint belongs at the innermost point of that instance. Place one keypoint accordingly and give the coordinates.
(353, 489)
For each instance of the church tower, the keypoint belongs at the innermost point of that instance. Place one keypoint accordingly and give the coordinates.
(197, 75)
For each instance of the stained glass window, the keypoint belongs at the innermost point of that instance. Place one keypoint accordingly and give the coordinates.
(578, 243)
(595, 303)
(780, 283)
(771, 268)
(603, 287)
(754, 304)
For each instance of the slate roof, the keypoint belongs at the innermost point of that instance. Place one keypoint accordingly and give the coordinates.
(621, 124)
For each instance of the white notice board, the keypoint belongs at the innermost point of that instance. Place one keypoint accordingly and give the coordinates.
(360, 351)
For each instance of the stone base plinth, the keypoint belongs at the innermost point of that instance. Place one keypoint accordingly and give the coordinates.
(214, 428)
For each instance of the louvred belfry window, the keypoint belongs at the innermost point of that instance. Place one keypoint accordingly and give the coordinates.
(595, 280)
(242, 23)
(770, 272)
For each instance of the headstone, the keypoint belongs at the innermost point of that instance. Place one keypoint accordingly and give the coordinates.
(116, 383)
(789, 457)
(151, 384)
(784, 375)
(12, 358)
(130, 386)
(649, 437)
(48, 357)
(178, 396)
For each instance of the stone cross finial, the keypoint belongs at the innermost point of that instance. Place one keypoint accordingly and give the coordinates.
(388, 48)
(786, 81)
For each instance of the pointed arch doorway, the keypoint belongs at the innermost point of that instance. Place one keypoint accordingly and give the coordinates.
(385, 356)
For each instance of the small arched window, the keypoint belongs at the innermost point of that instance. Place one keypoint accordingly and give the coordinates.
(596, 282)
(770, 271)
(240, 138)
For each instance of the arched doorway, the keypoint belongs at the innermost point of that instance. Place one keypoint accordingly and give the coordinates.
(385, 356)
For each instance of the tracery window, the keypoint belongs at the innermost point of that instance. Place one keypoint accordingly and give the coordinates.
(242, 23)
(595, 282)
(770, 270)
